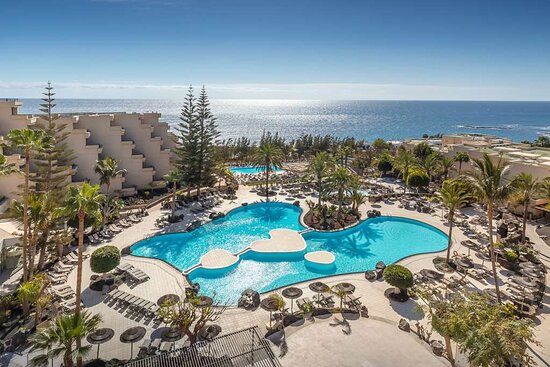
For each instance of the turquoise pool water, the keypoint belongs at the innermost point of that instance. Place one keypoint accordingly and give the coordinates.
(356, 249)
(250, 170)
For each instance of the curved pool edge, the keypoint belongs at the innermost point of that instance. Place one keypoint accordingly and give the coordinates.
(306, 228)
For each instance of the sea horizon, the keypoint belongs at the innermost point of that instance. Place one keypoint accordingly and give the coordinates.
(362, 119)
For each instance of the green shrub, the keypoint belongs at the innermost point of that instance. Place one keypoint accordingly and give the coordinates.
(511, 256)
(398, 276)
(105, 259)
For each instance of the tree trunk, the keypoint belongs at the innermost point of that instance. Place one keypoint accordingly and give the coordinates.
(32, 248)
(173, 203)
(67, 359)
(525, 210)
(267, 184)
(450, 240)
(81, 217)
(42, 256)
(492, 245)
(26, 215)
(449, 349)
(459, 167)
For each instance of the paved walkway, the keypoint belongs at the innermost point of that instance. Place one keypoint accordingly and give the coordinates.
(362, 346)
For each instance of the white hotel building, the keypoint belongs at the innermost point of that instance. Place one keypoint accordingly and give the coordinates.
(138, 141)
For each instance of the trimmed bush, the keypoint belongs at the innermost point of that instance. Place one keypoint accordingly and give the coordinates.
(105, 259)
(398, 276)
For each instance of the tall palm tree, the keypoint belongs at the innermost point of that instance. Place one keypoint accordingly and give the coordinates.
(173, 177)
(320, 169)
(489, 185)
(80, 203)
(454, 195)
(404, 161)
(525, 188)
(340, 180)
(29, 142)
(267, 158)
(59, 338)
(461, 157)
(107, 169)
(445, 166)
(38, 215)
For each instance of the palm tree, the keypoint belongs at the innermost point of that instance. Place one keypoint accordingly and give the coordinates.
(340, 180)
(80, 203)
(224, 174)
(454, 195)
(107, 169)
(357, 199)
(461, 157)
(404, 161)
(29, 142)
(320, 168)
(173, 177)
(38, 216)
(526, 188)
(489, 186)
(445, 166)
(267, 158)
(59, 337)
(430, 164)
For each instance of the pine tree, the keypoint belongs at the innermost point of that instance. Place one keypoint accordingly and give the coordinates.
(187, 138)
(53, 170)
(207, 136)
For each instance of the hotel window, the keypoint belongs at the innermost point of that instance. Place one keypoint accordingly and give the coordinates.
(14, 110)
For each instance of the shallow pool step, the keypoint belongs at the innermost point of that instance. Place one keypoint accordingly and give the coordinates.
(306, 230)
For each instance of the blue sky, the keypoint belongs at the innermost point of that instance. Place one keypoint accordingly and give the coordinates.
(369, 49)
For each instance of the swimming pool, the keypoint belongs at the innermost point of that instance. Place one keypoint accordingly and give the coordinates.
(250, 170)
(356, 249)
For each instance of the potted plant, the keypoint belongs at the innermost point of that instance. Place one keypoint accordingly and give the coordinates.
(401, 278)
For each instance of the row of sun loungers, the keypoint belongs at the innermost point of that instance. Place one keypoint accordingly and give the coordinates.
(155, 347)
(134, 303)
(112, 229)
(60, 271)
(135, 274)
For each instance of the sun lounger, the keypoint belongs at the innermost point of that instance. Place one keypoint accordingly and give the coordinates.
(114, 228)
(145, 345)
(123, 223)
(122, 268)
(155, 344)
(137, 275)
(165, 347)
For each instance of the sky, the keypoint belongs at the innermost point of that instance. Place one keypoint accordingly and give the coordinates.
(279, 49)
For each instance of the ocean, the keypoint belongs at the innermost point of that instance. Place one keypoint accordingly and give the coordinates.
(390, 120)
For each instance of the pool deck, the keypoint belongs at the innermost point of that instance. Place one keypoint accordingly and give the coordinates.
(316, 342)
